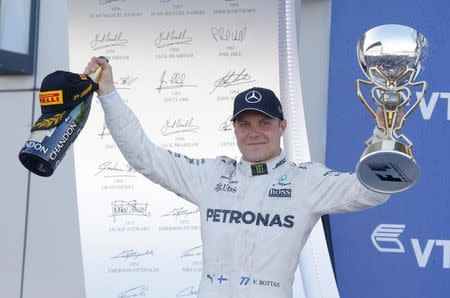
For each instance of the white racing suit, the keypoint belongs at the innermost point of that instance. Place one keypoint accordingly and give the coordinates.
(254, 218)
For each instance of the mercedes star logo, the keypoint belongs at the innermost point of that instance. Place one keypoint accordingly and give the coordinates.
(253, 97)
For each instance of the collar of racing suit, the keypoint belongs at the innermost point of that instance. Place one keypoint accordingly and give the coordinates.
(253, 169)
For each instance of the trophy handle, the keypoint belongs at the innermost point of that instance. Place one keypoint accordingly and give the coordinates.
(419, 99)
(414, 106)
(364, 101)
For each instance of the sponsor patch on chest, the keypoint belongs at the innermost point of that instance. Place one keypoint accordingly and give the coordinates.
(280, 192)
(224, 187)
(281, 188)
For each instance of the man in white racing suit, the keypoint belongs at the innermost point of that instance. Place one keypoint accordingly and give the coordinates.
(256, 213)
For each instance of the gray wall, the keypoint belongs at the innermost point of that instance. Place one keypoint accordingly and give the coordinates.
(40, 252)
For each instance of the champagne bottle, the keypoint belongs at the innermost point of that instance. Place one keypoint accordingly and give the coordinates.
(65, 100)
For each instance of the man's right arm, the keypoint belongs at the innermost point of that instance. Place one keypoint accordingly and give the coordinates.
(175, 172)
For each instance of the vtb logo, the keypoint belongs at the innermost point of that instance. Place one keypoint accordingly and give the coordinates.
(427, 106)
(385, 238)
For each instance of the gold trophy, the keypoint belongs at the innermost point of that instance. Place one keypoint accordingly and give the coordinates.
(391, 57)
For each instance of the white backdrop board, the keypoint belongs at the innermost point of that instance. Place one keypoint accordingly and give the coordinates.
(178, 65)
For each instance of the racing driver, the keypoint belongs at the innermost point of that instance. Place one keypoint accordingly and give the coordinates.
(256, 213)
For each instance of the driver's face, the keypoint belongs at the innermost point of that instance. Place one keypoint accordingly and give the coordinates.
(258, 136)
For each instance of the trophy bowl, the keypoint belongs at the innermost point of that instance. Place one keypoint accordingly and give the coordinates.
(391, 48)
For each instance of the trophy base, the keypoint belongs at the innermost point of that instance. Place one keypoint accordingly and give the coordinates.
(387, 167)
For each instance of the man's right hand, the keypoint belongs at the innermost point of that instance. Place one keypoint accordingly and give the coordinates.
(106, 83)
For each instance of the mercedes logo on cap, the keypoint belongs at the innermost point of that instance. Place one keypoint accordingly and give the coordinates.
(253, 97)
